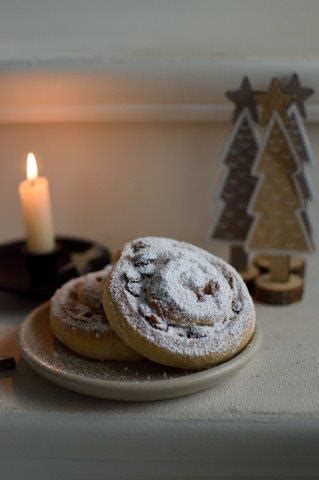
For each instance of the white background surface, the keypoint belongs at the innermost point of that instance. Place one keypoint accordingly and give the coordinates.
(118, 28)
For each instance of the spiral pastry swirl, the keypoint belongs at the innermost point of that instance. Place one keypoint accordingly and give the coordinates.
(78, 320)
(177, 304)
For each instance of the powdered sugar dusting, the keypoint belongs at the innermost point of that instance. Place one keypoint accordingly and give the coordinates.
(180, 297)
(79, 304)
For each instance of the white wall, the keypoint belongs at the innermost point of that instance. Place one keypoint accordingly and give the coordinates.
(113, 182)
(141, 30)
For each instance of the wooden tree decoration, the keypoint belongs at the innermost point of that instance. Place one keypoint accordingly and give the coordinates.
(277, 206)
(278, 98)
(233, 221)
(243, 98)
(299, 93)
(301, 143)
(274, 100)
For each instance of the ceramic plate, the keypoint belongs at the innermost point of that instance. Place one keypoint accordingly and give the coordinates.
(138, 381)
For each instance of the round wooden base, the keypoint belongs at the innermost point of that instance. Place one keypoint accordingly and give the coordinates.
(249, 276)
(278, 293)
(296, 265)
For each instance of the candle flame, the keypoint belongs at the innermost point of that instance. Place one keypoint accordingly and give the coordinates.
(32, 167)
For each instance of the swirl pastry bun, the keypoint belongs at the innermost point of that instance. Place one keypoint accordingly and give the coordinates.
(177, 304)
(78, 320)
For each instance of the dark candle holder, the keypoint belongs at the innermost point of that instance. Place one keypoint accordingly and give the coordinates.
(39, 275)
(42, 267)
(7, 364)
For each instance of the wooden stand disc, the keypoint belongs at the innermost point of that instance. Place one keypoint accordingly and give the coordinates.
(278, 293)
(249, 276)
(296, 265)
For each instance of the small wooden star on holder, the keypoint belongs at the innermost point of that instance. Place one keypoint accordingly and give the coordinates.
(274, 100)
(299, 93)
(243, 98)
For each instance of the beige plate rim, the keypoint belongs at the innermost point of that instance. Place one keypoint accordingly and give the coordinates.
(129, 390)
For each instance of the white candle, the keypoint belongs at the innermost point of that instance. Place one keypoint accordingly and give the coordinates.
(36, 208)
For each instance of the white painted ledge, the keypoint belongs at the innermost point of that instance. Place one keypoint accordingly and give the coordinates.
(125, 113)
(98, 90)
(148, 61)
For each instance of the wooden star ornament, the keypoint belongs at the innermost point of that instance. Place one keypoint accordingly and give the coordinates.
(244, 97)
(299, 93)
(274, 100)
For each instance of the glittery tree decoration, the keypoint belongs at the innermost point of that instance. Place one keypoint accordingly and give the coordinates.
(233, 221)
(277, 203)
(265, 191)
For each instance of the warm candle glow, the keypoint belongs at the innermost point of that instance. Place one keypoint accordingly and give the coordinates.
(32, 167)
(36, 207)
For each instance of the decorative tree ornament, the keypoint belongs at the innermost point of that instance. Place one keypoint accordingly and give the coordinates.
(277, 202)
(301, 143)
(274, 100)
(299, 93)
(298, 135)
(233, 221)
(266, 191)
(243, 98)
(278, 208)
(299, 138)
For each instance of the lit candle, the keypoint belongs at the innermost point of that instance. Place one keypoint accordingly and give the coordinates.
(36, 208)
